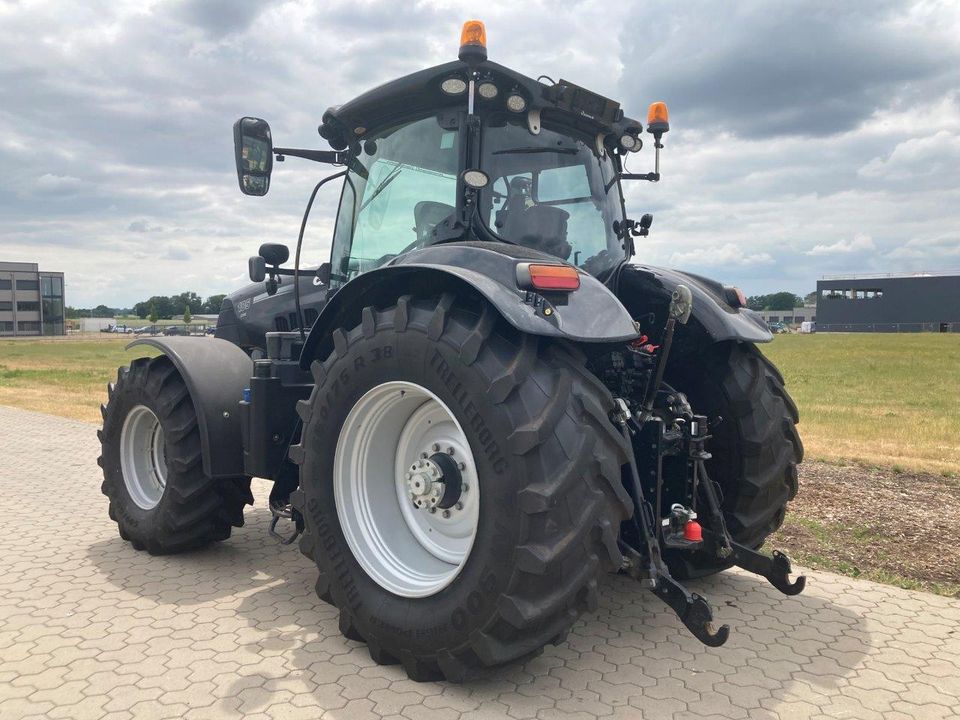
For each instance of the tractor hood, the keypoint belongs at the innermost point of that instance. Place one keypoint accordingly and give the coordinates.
(412, 96)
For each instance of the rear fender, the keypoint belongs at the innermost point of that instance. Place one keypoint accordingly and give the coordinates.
(646, 290)
(590, 314)
(215, 373)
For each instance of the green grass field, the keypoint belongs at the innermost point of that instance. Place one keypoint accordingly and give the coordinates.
(878, 399)
(63, 376)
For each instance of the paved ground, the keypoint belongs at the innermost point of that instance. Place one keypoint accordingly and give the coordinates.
(91, 629)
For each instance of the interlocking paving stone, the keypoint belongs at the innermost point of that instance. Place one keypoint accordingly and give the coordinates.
(90, 628)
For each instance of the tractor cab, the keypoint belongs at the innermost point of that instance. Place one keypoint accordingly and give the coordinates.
(473, 151)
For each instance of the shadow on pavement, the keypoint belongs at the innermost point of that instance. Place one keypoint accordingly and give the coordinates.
(632, 651)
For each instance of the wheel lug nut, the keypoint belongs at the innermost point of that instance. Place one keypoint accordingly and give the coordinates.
(433, 510)
(462, 466)
(464, 487)
(435, 447)
(449, 451)
(423, 455)
(446, 513)
(459, 506)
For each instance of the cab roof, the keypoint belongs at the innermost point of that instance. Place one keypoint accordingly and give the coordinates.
(419, 93)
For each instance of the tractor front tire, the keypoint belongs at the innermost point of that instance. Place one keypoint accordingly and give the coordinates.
(538, 517)
(153, 475)
(755, 448)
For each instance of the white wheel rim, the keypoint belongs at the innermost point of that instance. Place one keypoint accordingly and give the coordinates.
(410, 551)
(142, 460)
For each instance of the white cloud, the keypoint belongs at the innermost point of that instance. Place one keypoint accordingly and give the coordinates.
(919, 158)
(49, 183)
(723, 256)
(859, 243)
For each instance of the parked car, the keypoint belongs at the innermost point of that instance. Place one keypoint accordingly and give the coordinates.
(174, 330)
(778, 328)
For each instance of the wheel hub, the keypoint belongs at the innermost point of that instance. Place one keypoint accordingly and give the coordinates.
(425, 482)
(436, 482)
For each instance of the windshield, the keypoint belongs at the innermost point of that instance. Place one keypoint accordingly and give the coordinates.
(549, 192)
(410, 187)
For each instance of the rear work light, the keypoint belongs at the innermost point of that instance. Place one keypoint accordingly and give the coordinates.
(562, 278)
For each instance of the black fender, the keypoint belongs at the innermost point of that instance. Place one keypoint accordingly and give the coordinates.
(590, 314)
(645, 288)
(215, 372)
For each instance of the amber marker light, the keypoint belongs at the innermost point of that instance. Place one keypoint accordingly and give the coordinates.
(561, 278)
(658, 118)
(473, 42)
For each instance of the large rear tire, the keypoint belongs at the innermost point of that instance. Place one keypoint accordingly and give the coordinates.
(529, 425)
(756, 448)
(159, 496)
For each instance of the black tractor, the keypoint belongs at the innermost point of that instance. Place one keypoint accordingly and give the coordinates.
(480, 405)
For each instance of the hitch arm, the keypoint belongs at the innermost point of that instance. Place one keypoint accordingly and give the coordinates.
(692, 609)
(775, 569)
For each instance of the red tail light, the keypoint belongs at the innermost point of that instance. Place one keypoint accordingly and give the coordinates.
(562, 278)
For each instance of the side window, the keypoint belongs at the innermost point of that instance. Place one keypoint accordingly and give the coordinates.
(569, 189)
(562, 183)
(387, 219)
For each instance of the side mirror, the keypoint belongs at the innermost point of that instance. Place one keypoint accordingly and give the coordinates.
(257, 268)
(274, 253)
(253, 148)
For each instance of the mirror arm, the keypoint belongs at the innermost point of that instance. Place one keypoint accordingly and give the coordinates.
(276, 270)
(652, 177)
(331, 157)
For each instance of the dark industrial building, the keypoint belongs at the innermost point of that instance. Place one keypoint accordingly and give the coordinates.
(31, 301)
(921, 302)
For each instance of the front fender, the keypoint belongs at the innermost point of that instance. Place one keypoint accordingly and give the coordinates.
(590, 314)
(645, 286)
(215, 373)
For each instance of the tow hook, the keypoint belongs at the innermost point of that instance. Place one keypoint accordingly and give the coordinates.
(281, 508)
(286, 512)
(680, 529)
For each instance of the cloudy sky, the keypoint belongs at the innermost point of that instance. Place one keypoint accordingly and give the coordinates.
(808, 137)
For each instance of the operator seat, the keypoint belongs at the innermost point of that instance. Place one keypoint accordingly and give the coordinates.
(541, 227)
(427, 214)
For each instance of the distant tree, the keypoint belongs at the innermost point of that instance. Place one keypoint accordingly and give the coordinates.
(810, 298)
(783, 301)
(153, 314)
(186, 300)
(211, 306)
(72, 313)
(187, 317)
(102, 311)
